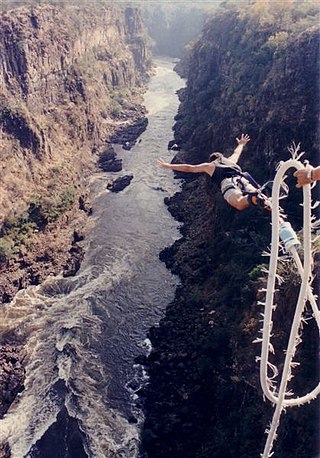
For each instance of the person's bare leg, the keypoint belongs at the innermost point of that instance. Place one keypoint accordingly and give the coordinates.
(238, 201)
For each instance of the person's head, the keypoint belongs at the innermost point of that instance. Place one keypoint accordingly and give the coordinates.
(214, 156)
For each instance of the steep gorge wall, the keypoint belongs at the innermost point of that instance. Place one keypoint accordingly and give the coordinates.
(71, 78)
(68, 76)
(257, 72)
(254, 71)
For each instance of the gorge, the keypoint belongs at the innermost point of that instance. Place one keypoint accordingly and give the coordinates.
(76, 343)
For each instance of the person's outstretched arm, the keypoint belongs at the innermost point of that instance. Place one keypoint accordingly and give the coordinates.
(188, 168)
(242, 141)
(307, 176)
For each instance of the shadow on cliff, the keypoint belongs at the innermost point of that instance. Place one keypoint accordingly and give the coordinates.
(204, 398)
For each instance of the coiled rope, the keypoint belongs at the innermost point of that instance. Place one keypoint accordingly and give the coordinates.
(280, 397)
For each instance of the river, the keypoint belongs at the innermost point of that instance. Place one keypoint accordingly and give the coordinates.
(83, 333)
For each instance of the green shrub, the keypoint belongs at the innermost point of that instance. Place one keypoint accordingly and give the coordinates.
(66, 199)
(17, 230)
(44, 210)
(257, 272)
(6, 248)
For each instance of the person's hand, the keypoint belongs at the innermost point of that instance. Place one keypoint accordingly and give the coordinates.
(303, 176)
(163, 163)
(243, 140)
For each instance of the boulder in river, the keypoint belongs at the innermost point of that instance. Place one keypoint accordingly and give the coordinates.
(128, 134)
(108, 161)
(11, 375)
(120, 183)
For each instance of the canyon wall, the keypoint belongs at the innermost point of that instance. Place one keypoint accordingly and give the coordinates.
(68, 76)
(71, 78)
(255, 70)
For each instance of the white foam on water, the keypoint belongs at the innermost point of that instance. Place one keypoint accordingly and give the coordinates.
(58, 333)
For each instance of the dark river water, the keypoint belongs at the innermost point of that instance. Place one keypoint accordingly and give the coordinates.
(83, 333)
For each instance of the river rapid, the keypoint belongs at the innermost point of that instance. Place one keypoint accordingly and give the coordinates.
(83, 333)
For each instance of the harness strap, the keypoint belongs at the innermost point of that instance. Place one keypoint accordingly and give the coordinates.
(238, 184)
(250, 179)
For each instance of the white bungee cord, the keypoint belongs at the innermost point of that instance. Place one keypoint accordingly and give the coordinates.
(279, 396)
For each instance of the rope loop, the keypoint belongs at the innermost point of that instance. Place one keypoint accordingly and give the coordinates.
(283, 233)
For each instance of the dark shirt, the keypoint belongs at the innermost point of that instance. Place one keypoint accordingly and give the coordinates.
(224, 169)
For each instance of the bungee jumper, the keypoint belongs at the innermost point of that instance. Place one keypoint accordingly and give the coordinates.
(240, 191)
(238, 188)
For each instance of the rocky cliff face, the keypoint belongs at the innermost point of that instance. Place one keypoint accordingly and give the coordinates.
(67, 76)
(255, 71)
(70, 79)
(204, 398)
